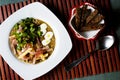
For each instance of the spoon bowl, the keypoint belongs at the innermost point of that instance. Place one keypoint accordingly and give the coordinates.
(103, 43)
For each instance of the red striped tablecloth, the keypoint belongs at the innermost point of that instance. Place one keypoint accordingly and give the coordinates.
(100, 62)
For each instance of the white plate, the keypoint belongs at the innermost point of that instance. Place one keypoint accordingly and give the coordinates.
(62, 48)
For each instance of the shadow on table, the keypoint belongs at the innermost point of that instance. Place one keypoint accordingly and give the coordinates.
(106, 76)
(115, 22)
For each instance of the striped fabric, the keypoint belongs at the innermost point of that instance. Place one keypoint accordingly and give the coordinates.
(99, 63)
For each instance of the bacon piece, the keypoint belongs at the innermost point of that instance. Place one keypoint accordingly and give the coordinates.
(20, 29)
(39, 43)
(13, 44)
(38, 52)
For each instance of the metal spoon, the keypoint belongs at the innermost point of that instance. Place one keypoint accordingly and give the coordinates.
(102, 43)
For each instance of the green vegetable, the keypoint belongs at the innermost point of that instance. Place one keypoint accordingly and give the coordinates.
(16, 26)
(30, 31)
(39, 33)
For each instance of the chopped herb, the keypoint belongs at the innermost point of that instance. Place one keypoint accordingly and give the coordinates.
(28, 34)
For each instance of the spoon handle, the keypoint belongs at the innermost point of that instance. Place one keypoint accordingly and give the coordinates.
(76, 62)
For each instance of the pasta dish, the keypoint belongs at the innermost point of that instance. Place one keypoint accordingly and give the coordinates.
(32, 40)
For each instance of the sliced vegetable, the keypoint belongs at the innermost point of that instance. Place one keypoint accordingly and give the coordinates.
(29, 33)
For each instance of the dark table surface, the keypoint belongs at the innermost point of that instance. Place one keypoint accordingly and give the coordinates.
(99, 63)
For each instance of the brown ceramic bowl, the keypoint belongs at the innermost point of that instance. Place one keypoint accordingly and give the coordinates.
(90, 34)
